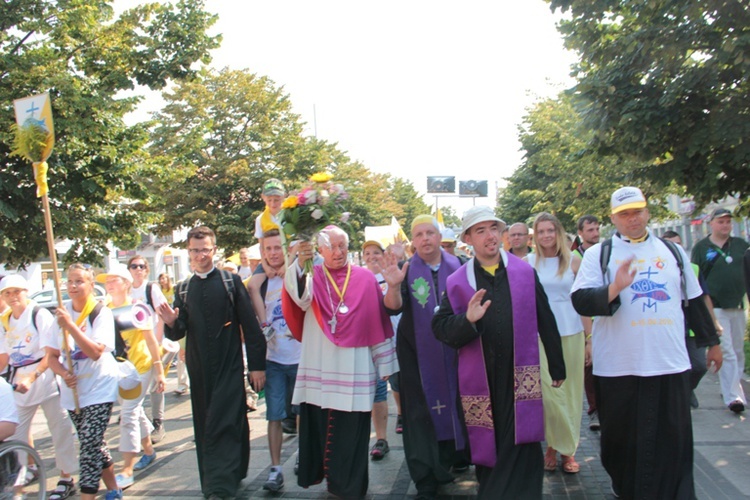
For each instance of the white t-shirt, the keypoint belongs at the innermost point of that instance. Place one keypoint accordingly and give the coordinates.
(25, 347)
(259, 228)
(157, 296)
(283, 348)
(557, 289)
(97, 380)
(395, 319)
(8, 410)
(646, 336)
(244, 272)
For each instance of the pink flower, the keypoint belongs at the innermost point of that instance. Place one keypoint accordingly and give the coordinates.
(345, 216)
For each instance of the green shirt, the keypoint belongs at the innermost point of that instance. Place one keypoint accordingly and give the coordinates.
(724, 279)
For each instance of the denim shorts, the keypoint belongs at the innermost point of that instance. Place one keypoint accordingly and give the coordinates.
(279, 380)
(381, 390)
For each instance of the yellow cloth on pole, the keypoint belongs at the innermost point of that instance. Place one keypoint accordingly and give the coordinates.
(40, 176)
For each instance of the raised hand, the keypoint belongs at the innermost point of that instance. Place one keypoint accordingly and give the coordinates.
(392, 274)
(476, 309)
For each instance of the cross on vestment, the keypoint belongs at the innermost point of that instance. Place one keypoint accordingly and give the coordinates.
(438, 407)
(333, 322)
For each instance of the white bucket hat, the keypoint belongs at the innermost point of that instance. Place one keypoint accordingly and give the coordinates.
(475, 215)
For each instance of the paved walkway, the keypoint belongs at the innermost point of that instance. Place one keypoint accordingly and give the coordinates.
(722, 456)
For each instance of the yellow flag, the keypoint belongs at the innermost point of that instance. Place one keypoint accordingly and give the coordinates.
(439, 217)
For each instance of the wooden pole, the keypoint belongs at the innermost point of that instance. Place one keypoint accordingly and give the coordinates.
(58, 287)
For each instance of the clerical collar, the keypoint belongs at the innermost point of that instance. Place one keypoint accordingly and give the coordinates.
(635, 240)
(204, 275)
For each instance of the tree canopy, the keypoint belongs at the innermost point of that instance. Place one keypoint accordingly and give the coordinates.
(85, 57)
(667, 82)
(560, 174)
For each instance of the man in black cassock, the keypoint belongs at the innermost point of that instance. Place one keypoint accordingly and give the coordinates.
(496, 311)
(433, 429)
(214, 325)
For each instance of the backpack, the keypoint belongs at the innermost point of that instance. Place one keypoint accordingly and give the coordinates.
(149, 299)
(606, 253)
(34, 316)
(226, 278)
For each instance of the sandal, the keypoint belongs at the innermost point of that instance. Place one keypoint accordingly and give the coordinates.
(570, 465)
(63, 490)
(550, 460)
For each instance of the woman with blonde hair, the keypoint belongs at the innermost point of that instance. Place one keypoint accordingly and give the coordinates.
(557, 267)
(141, 349)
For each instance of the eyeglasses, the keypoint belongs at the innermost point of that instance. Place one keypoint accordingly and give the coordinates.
(138, 266)
(200, 251)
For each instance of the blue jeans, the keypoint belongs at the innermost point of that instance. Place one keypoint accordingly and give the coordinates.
(279, 380)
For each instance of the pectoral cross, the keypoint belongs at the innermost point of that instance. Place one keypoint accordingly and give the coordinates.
(333, 323)
(438, 407)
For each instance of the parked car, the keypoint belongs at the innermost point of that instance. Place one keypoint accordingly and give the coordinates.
(48, 298)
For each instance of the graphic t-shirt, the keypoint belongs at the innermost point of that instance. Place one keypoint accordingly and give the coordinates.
(646, 335)
(283, 348)
(24, 346)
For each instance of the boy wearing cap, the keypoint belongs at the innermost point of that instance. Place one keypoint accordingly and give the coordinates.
(273, 195)
(24, 328)
(641, 364)
(720, 259)
(495, 312)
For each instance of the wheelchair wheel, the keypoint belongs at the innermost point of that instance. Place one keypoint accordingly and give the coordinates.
(11, 469)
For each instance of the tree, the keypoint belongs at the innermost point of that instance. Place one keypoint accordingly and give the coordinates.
(668, 82)
(560, 174)
(450, 218)
(85, 58)
(226, 133)
(409, 203)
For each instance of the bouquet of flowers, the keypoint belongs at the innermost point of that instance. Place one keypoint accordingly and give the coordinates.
(305, 212)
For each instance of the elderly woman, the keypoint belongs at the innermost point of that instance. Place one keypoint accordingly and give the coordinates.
(89, 387)
(22, 330)
(142, 350)
(556, 267)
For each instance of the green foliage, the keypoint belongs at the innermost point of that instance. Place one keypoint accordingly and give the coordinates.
(669, 83)
(30, 141)
(561, 175)
(99, 173)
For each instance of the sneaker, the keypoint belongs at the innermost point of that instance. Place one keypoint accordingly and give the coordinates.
(144, 462)
(113, 494)
(275, 481)
(379, 449)
(693, 400)
(594, 421)
(296, 466)
(32, 474)
(63, 490)
(124, 482)
(735, 406)
(399, 425)
(158, 433)
(289, 425)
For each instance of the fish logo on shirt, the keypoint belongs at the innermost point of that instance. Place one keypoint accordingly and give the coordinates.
(650, 290)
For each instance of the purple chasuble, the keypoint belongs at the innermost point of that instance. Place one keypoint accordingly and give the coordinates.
(472, 374)
(437, 362)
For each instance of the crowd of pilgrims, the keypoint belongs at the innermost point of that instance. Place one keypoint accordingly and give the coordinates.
(476, 335)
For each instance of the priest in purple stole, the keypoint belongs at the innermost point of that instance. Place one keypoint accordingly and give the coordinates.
(433, 424)
(494, 313)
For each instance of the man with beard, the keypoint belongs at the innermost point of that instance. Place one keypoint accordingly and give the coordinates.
(433, 429)
(495, 312)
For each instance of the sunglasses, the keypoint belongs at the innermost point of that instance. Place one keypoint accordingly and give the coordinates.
(138, 266)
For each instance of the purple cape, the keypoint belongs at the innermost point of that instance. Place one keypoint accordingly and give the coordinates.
(472, 374)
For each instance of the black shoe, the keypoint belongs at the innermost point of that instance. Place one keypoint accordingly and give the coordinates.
(693, 400)
(289, 426)
(737, 406)
(296, 466)
(460, 468)
(379, 449)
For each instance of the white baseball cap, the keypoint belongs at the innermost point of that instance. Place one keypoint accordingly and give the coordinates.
(119, 270)
(13, 281)
(627, 198)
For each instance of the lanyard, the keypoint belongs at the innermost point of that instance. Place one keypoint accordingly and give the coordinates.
(339, 292)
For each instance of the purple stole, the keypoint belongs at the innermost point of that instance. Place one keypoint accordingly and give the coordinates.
(472, 375)
(437, 362)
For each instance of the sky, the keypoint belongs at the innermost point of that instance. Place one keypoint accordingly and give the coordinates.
(411, 88)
